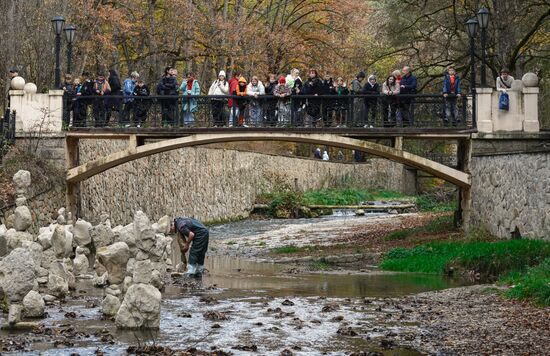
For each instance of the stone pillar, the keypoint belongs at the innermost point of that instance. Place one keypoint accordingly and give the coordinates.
(37, 112)
(530, 104)
(484, 110)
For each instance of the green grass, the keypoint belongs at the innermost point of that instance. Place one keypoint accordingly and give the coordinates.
(320, 265)
(531, 285)
(427, 203)
(286, 249)
(491, 259)
(349, 196)
(435, 226)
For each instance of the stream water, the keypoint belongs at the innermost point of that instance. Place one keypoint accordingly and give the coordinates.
(260, 305)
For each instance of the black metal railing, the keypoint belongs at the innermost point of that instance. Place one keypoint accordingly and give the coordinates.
(351, 111)
(7, 132)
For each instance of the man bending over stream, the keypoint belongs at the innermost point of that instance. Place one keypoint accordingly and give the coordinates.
(191, 232)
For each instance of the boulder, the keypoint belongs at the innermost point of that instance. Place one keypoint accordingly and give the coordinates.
(48, 256)
(57, 286)
(59, 268)
(140, 308)
(143, 272)
(143, 232)
(102, 235)
(14, 239)
(163, 225)
(17, 274)
(81, 234)
(62, 242)
(158, 251)
(45, 239)
(22, 218)
(128, 281)
(130, 266)
(22, 180)
(157, 280)
(81, 265)
(100, 281)
(9, 221)
(35, 249)
(126, 234)
(114, 258)
(3, 242)
(33, 305)
(14, 314)
(110, 305)
(21, 201)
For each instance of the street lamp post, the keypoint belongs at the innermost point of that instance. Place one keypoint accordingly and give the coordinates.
(58, 23)
(70, 32)
(471, 29)
(483, 21)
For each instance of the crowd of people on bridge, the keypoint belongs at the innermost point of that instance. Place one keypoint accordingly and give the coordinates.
(239, 102)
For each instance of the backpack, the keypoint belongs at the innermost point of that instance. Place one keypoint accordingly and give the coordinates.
(504, 101)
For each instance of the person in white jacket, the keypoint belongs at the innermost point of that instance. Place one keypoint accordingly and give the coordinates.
(219, 87)
(255, 88)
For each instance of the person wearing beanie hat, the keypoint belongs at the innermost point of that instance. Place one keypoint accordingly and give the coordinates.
(219, 87)
(283, 92)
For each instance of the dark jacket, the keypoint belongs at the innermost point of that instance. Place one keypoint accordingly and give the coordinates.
(167, 86)
(88, 88)
(369, 89)
(270, 88)
(328, 86)
(408, 84)
(447, 85)
(313, 86)
(141, 91)
(114, 83)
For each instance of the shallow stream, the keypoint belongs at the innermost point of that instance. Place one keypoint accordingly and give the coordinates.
(242, 304)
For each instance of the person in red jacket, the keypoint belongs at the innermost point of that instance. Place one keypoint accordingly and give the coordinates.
(233, 108)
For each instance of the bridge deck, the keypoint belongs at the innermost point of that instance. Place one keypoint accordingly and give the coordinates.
(360, 133)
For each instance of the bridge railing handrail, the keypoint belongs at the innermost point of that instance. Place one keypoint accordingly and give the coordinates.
(294, 96)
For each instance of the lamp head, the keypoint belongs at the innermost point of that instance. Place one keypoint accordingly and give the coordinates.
(58, 23)
(483, 17)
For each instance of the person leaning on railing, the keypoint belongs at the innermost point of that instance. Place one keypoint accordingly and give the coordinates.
(140, 104)
(168, 85)
(371, 88)
(340, 106)
(270, 105)
(241, 104)
(283, 91)
(451, 93)
(390, 103)
(407, 85)
(189, 86)
(255, 88)
(101, 89)
(219, 87)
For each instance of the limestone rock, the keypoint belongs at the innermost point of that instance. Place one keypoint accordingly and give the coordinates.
(141, 255)
(81, 234)
(9, 221)
(45, 239)
(157, 280)
(35, 249)
(33, 305)
(14, 239)
(3, 241)
(81, 265)
(130, 266)
(48, 256)
(114, 258)
(110, 305)
(22, 218)
(20, 201)
(57, 286)
(143, 272)
(14, 314)
(102, 235)
(143, 232)
(126, 234)
(163, 225)
(17, 277)
(140, 308)
(59, 268)
(158, 251)
(100, 281)
(128, 281)
(22, 179)
(62, 242)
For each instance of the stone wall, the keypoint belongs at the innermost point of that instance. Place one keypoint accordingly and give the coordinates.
(511, 194)
(214, 184)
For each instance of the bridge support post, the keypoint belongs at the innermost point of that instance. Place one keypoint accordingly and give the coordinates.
(72, 190)
(464, 193)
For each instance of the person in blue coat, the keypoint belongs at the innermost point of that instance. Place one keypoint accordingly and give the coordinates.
(192, 236)
(407, 85)
(451, 93)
